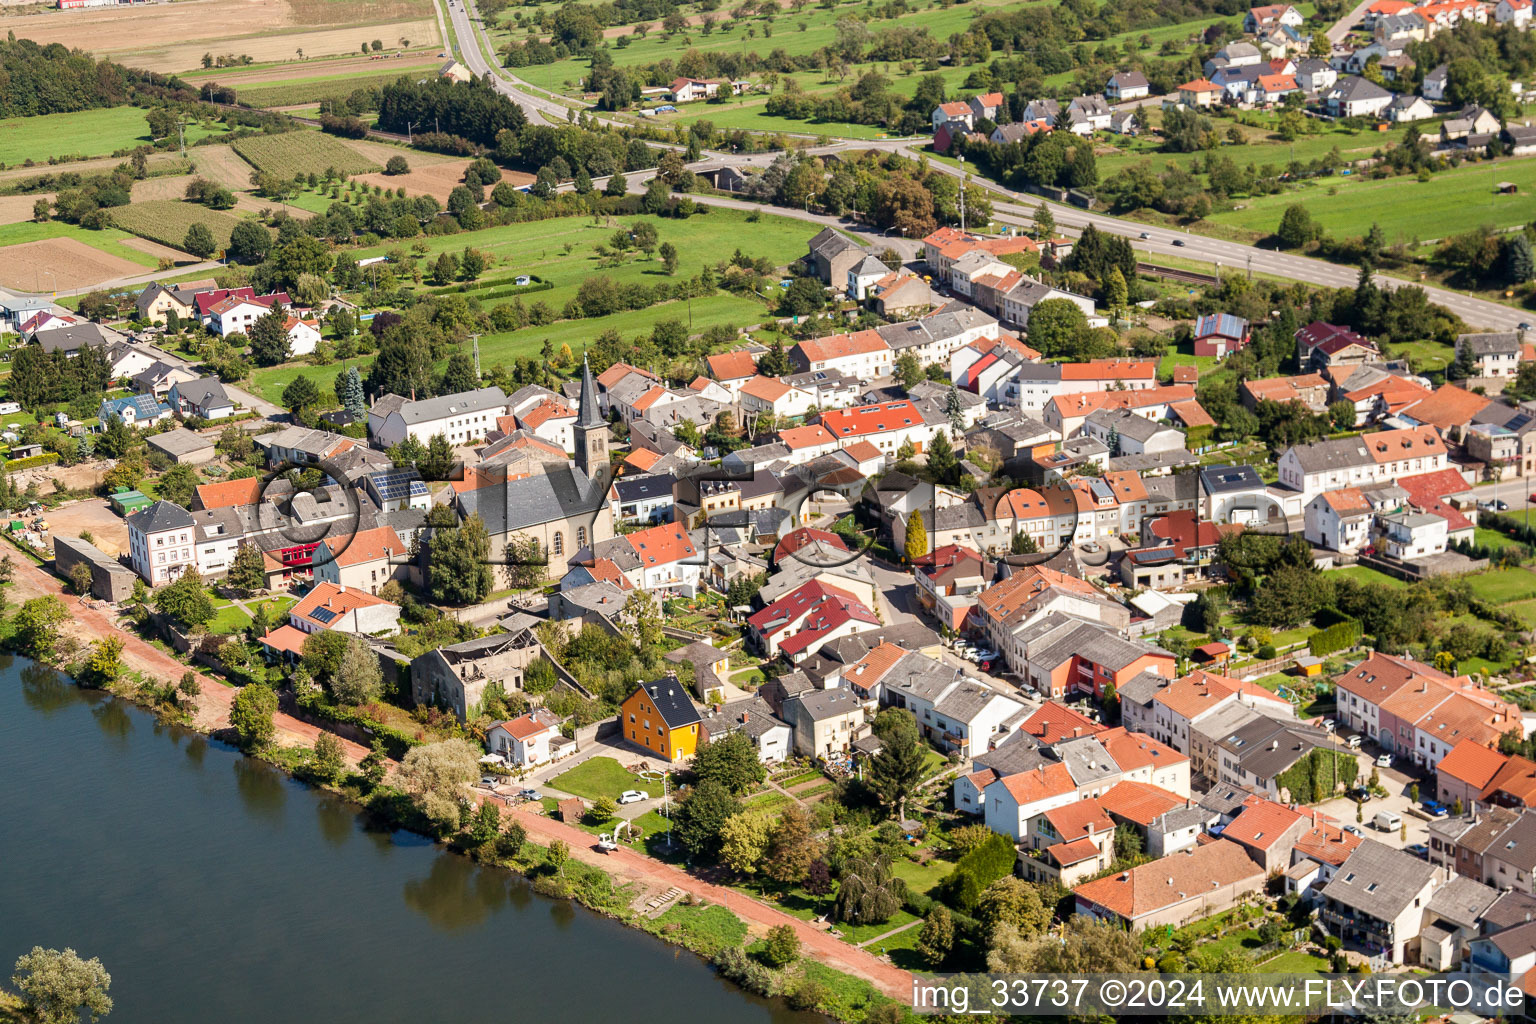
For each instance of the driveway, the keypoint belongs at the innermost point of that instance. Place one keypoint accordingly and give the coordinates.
(1398, 785)
(897, 592)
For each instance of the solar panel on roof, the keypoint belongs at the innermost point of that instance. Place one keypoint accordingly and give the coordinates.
(324, 615)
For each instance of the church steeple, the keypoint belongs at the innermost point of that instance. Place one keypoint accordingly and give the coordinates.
(587, 412)
(591, 431)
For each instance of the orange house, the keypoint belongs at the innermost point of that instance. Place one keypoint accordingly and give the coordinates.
(660, 718)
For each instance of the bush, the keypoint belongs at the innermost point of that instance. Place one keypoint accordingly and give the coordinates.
(1337, 637)
(978, 869)
(1266, 653)
(396, 165)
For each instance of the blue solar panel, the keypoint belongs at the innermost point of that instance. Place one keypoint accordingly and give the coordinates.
(322, 615)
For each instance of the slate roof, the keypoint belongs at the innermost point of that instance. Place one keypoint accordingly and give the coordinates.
(1379, 881)
(512, 505)
(644, 487)
(161, 516)
(671, 700)
(428, 409)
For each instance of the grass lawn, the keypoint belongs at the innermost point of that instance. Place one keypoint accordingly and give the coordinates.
(598, 777)
(1364, 574)
(1296, 963)
(1503, 586)
(230, 618)
(313, 88)
(1406, 208)
(83, 133)
(1426, 355)
(864, 932)
(767, 802)
(1493, 539)
(1524, 610)
(922, 877)
(707, 928)
(278, 604)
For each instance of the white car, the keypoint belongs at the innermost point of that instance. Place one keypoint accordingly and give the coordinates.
(1384, 761)
(633, 796)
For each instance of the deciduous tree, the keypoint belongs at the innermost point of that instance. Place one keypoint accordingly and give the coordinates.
(358, 678)
(435, 775)
(744, 839)
(58, 987)
(251, 716)
(730, 761)
(458, 563)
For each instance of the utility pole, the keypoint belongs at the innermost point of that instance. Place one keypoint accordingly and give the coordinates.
(962, 196)
(181, 136)
(476, 339)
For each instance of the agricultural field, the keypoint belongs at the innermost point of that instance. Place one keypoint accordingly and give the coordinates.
(174, 37)
(167, 220)
(293, 153)
(84, 133)
(60, 264)
(288, 92)
(435, 179)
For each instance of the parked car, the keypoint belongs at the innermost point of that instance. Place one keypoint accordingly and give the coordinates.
(987, 654)
(1354, 742)
(1384, 761)
(1354, 830)
(1418, 850)
(1387, 821)
(489, 781)
(633, 796)
(1361, 793)
(529, 794)
(1436, 809)
(1501, 505)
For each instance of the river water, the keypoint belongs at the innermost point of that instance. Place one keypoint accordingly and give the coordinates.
(214, 888)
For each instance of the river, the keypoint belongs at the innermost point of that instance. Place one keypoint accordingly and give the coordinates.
(213, 887)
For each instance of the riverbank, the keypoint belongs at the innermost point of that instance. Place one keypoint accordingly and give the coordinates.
(837, 978)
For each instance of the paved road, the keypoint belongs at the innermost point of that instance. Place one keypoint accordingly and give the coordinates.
(1339, 29)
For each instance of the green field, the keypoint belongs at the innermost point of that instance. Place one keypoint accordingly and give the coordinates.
(1364, 574)
(166, 221)
(1406, 208)
(293, 153)
(1503, 586)
(312, 89)
(85, 133)
(599, 777)
(108, 240)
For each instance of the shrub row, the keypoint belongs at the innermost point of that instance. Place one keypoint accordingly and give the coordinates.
(978, 869)
(1337, 637)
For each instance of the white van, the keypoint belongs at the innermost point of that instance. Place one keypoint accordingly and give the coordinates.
(1354, 742)
(1387, 821)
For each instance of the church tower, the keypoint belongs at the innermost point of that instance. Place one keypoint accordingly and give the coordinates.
(591, 432)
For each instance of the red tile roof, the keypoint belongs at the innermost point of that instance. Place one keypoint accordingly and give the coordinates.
(863, 451)
(1140, 801)
(1517, 779)
(1132, 750)
(768, 389)
(229, 493)
(1067, 854)
(286, 639)
(861, 420)
(1472, 763)
(1261, 824)
(336, 599)
(1038, 784)
(1110, 369)
(1164, 883)
(732, 365)
(806, 437)
(1079, 820)
(661, 544)
(1054, 722)
(836, 346)
(369, 546)
(797, 539)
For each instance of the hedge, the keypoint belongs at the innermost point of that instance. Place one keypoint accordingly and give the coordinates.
(396, 743)
(1337, 637)
(1326, 766)
(978, 869)
(45, 459)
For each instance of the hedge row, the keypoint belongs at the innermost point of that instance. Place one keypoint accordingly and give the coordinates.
(978, 869)
(1337, 637)
(45, 459)
(396, 743)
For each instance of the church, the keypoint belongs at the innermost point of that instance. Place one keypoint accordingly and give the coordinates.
(563, 505)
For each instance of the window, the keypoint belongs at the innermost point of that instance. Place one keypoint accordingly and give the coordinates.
(581, 536)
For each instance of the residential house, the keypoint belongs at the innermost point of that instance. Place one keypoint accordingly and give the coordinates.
(1354, 96)
(1364, 459)
(366, 561)
(1492, 354)
(1126, 85)
(826, 722)
(134, 410)
(1314, 75)
(157, 301)
(1433, 86)
(161, 543)
(754, 718)
(1088, 114)
(690, 90)
(808, 616)
(1270, 16)
(457, 676)
(660, 718)
(204, 397)
(1378, 899)
(733, 369)
(1320, 345)
(953, 111)
(1407, 107)
(1513, 12)
(1125, 433)
(986, 106)
(1257, 753)
(303, 335)
(462, 418)
(1269, 832)
(1462, 775)
(1200, 92)
(863, 354)
(526, 740)
(1310, 389)
(328, 606)
(1174, 890)
(831, 255)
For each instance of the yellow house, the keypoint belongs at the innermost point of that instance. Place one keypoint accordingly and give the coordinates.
(660, 718)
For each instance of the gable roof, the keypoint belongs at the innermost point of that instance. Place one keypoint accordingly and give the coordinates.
(732, 365)
(670, 698)
(1142, 890)
(228, 493)
(326, 601)
(159, 517)
(1379, 880)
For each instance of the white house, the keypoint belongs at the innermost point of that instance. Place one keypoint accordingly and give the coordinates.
(460, 418)
(162, 542)
(234, 315)
(1126, 85)
(1339, 520)
(863, 354)
(1011, 801)
(303, 335)
(1412, 535)
(1353, 96)
(772, 395)
(524, 740)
